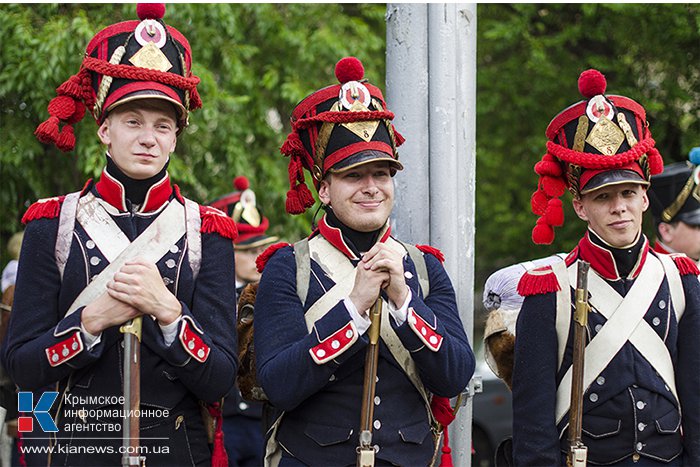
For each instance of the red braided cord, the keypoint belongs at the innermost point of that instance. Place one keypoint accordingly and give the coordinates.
(142, 74)
(596, 161)
(343, 117)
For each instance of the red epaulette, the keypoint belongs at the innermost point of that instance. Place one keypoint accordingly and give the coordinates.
(216, 221)
(538, 281)
(49, 208)
(685, 265)
(265, 256)
(433, 251)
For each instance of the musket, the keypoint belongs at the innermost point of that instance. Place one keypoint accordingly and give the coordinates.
(132, 393)
(578, 452)
(365, 451)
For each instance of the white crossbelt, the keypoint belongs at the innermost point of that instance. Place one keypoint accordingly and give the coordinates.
(624, 323)
(151, 245)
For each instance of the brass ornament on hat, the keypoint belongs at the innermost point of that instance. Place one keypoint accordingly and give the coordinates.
(673, 209)
(696, 177)
(317, 173)
(324, 134)
(364, 129)
(627, 129)
(246, 209)
(606, 137)
(581, 132)
(151, 57)
(573, 174)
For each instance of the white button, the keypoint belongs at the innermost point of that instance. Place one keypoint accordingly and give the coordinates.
(190, 345)
(335, 344)
(600, 380)
(170, 263)
(65, 352)
(656, 321)
(423, 331)
(408, 275)
(348, 333)
(598, 327)
(320, 353)
(641, 405)
(94, 260)
(413, 319)
(377, 379)
(93, 278)
(174, 249)
(54, 357)
(332, 378)
(593, 397)
(377, 400)
(376, 448)
(667, 388)
(200, 353)
(377, 424)
(641, 426)
(242, 406)
(74, 346)
(639, 446)
(90, 244)
(662, 304)
(433, 340)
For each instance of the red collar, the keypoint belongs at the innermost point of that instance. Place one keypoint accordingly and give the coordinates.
(661, 248)
(335, 237)
(112, 191)
(602, 260)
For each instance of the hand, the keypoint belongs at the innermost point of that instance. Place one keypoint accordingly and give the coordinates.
(106, 312)
(382, 258)
(368, 284)
(139, 284)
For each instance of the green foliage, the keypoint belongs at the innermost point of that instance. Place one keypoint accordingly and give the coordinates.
(255, 61)
(528, 63)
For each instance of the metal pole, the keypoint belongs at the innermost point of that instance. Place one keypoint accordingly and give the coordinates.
(446, 155)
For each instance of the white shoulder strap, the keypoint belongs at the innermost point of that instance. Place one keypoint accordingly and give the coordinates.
(66, 225)
(194, 236)
(563, 314)
(675, 284)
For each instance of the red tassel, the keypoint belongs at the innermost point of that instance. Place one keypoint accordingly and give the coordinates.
(686, 266)
(47, 132)
(195, 100)
(656, 162)
(293, 146)
(538, 281)
(305, 196)
(538, 202)
(293, 205)
(62, 107)
(72, 87)
(399, 138)
(215, 221)
(265, 256)
(78, 114)
(66, 139)
(554, 187)
(446, 457)
(442, 410)
(554, 214)
(49, 208)
(548, 167)
(542, 233)
(432, 251)
(219, 458)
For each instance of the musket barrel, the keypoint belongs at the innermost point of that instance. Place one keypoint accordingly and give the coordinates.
(365, 452)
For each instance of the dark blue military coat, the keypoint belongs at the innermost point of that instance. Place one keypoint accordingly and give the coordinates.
(44, 350)
(628, 411)
(322, 402)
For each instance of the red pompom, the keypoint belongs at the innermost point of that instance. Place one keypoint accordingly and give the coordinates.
(554, 187)
(47, 132)
(241, 183)
(62, 107)
(431, 250)
(548, 166)
(538, 202)
(591, 83)
(78, 114)
(543, 233)
(265, 256)
(150, 10)
(554, 213)
(66, 139)
(349, 69)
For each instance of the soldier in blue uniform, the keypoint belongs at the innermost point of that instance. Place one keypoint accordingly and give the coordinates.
(675, 203)
(243, 419)
(127, 245)
(641, 404)
(313, 300)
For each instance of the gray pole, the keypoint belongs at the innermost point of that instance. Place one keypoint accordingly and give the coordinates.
(431, 87)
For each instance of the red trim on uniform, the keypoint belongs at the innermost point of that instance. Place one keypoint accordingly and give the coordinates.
(603, 261)
(248, 231)
(216, 221)
(424, 331)
(622, 102)
(637, 269)
(265, 256)
(112, 191)
(335, 344)
(686, 266)
(157, 195)
(432, 251)
(314, 99)
(538, 281)
(564, 117)
(60, 353)
(349, 150)
(48, 208)
(193, 344)
(109, 31)
(660, 248)
(335, 237)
